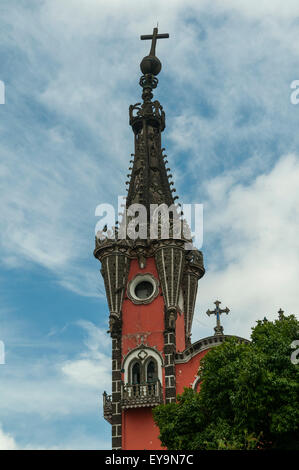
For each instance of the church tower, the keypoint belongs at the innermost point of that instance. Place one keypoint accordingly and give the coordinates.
(150, 279)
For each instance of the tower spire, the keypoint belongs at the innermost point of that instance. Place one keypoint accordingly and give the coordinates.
(149, 181)
(150, 279)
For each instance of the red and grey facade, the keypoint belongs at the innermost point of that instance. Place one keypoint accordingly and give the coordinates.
(151, 287)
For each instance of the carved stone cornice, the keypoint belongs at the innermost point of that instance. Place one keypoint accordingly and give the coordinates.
(135, 248)
(106, 246)
(202, 345)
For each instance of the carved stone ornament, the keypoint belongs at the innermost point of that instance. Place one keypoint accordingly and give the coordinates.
(136, 281)
(142, 355)
(170, 319)
(115, 325)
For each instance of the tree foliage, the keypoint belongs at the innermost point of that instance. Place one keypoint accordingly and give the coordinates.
(249, 396)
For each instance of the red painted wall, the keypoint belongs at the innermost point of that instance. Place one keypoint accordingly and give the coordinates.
(142, 324)
(139, 430)
(186, 373)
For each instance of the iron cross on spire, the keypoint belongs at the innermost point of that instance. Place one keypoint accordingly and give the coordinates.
(154, 38)
(281, 314)
(219, 328)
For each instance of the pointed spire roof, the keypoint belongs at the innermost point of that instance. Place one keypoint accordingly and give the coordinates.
(150, 178)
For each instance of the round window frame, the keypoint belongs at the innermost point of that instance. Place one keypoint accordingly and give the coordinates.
(148, 277)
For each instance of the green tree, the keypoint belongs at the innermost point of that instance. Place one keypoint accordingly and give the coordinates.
(249, 396)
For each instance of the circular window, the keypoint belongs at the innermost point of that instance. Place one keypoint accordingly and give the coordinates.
(143, 288)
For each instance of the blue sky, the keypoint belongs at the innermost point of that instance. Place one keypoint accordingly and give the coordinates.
(70, 70)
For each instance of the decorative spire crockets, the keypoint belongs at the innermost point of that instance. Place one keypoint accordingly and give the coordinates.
(149, 181)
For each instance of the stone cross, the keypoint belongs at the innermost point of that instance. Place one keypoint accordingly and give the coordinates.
(154, 38)
(281, 314)
(218, 311)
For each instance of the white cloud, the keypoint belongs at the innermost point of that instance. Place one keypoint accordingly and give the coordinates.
(92, 368)
(261, 8)
(76, 440)
(58, 386)
(96, 338)
(7, 442)
(79, 441)
(254, 268)
(89, 372)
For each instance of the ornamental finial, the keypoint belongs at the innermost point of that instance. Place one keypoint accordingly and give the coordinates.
(217, 311)
(150, 66)
(150, 63)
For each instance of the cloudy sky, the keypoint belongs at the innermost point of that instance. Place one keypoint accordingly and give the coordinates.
(70, 70)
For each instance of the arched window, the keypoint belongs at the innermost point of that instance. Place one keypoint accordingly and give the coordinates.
(141, 366)
(136, 373)
(151, 371)
(143, 372)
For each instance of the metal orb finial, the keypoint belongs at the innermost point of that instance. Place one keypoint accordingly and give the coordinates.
(150, 64)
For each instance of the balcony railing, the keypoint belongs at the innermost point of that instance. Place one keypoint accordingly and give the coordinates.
(107, 407)
(141, 395)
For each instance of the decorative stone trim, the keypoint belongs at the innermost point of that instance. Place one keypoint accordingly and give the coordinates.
(107, 407)
(169, 352)
(196, 382)
(141, 395)
(148, 277)
(170, 264)
(202, 345)
(116, 418)
(135, 355)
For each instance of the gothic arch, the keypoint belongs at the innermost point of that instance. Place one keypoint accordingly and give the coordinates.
(142, 355)
(196, 383)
